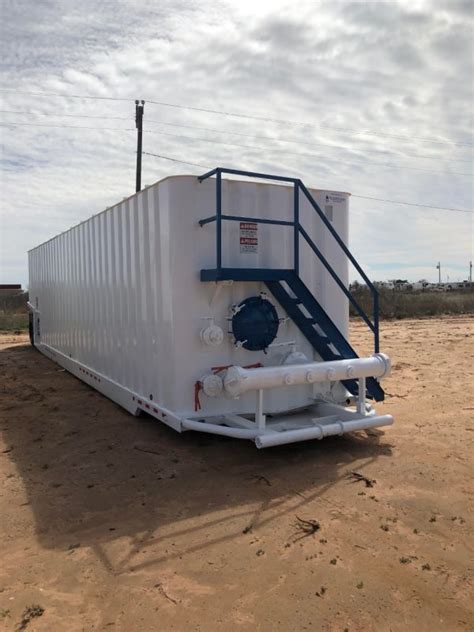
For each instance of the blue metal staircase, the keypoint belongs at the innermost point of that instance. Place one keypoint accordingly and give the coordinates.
(318, 327)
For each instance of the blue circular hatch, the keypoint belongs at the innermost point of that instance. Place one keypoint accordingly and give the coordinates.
(255, 323)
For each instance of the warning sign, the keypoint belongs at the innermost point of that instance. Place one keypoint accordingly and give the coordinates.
(248, 237)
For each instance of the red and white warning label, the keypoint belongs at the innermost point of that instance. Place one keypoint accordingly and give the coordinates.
(248, 237)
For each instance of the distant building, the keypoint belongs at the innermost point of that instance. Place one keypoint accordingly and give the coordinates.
(10, 289)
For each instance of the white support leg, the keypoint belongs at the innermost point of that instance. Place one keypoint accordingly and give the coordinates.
(361, 397)
(259, 416)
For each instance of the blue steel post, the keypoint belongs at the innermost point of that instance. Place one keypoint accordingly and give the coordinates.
(376, 322)
(218, 221)
(296, 229)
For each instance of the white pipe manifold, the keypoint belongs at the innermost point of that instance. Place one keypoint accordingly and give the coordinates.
(238, 380)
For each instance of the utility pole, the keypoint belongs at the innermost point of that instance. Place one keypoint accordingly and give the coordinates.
(470, 271)
(139, 107)
(438, 267)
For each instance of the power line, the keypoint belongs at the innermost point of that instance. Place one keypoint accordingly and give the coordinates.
(206, 166)
(298, 142)
(115, 129)
(93, 116)
(288, 122)
(252, 147)
(66, 96)
(184, 162)
(233, 133)
(439, 208)
(292, 153)
(365, 197)
(239, 115)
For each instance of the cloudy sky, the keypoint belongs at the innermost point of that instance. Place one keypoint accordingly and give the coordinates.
(369, 97)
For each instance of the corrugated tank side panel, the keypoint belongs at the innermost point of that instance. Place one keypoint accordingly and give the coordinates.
(98, 289)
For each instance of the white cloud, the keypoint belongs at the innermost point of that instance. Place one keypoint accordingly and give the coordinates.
(400, 68)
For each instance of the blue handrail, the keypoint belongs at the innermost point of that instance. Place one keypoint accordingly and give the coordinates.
(332, 272)
(247, 174)
(298, 229)
(347, 252)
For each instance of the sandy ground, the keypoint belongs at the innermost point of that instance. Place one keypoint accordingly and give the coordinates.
(200, 532)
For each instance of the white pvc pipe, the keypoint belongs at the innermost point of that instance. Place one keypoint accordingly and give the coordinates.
(200, 426)
(238, 380)
(319, 431)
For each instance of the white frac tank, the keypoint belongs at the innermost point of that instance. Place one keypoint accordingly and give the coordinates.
(121, 301)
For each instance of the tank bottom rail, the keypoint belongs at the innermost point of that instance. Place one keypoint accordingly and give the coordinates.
(316, 422)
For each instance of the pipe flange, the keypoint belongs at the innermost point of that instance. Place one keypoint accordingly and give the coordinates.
(233, 381)
(212, 385)
(212, 336)
(387, 364)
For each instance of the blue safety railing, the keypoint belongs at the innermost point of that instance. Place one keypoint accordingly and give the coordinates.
(299, 188)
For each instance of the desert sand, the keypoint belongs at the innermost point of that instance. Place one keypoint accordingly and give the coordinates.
(112, 522)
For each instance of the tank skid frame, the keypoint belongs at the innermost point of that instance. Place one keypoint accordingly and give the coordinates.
(319, 420)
